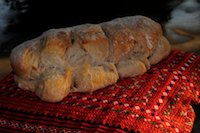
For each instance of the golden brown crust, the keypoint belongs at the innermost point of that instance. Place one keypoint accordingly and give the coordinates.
(163, 49)
(55, 42)
(24, 57)
(88, 57)
(91, 78)
(54, 85)
(121, 40)
(93, 40)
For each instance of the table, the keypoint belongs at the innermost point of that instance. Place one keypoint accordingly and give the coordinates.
(5, 67)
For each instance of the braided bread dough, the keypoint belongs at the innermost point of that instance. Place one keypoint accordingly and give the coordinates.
(87, 57)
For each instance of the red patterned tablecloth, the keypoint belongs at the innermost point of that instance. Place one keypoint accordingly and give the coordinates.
(158, 101)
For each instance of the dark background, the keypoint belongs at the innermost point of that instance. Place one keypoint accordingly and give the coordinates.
(61, 13)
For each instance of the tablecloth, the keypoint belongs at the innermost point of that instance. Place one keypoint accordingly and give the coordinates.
(158, 101)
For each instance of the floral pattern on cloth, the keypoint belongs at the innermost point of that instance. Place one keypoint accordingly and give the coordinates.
(159, 101)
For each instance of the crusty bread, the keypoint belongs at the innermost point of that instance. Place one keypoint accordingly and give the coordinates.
(87, 57)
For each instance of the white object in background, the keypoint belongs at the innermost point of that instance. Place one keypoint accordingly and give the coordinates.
(186, 17)
(5, 15)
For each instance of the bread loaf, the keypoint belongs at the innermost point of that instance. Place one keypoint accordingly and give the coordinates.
(87, 57)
